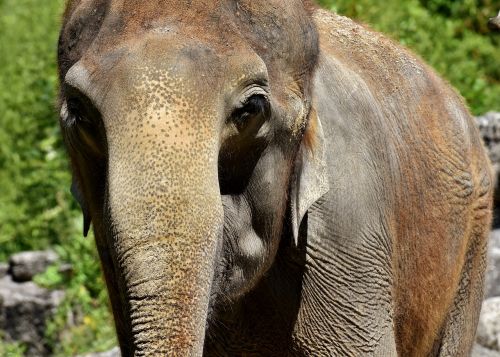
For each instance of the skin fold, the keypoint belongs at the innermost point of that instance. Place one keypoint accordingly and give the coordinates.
(265, 178)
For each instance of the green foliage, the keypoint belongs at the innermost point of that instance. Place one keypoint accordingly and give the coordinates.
(83, 322)
(450, 35)
(474, 14)
(33, 171)
(11, 349)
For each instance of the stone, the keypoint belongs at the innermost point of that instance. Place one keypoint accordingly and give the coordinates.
(25, 265)
(494, 23)
(115, 352)
(489, 127)
(66, 270)
(492, 279)
(24, 311)
(480, 351)
(488, 330)
(4, 270)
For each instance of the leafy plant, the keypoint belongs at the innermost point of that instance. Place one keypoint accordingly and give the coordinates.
(11, 349)
(83, 322)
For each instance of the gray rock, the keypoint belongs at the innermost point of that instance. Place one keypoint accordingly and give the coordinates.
(66, 270)
(488, 330)
(24, 310)
(480, 351)
(489, 126)
(115, 352)
(4, 269)
(492, 280)
(25, 265)
(494, 23)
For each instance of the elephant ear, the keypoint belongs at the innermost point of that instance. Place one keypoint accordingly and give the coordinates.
(77, 194)
(310, 181)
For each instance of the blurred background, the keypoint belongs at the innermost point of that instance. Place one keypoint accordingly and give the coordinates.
(37, 211)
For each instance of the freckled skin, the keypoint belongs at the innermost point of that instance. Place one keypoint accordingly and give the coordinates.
(268, 179)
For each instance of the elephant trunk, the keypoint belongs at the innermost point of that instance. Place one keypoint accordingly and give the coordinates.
(166, 218)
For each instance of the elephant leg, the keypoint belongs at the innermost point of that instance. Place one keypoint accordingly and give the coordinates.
(459, 330)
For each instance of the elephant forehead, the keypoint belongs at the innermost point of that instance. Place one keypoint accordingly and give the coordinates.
(131, 15)
(227, 25)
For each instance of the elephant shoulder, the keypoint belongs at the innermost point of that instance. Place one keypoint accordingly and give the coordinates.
(374, 94)
(380, 61)
(410, 95)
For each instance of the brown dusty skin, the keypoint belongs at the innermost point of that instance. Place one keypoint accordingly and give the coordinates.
(190, 189)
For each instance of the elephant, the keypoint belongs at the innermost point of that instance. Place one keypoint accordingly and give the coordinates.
(267, 178)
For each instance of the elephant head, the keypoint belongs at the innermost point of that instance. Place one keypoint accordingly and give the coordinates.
(194, 149)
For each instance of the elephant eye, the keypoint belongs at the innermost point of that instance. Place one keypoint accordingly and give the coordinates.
(76, 112)
(255, 106)
(83, 133)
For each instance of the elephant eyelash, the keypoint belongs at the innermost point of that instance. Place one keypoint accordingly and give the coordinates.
(82, 133)
(254, 105)
(75, 113)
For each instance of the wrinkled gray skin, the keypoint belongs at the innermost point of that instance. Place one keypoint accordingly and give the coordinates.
(255, 192)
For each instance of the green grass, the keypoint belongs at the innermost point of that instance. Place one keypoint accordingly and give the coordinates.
(36, 209)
